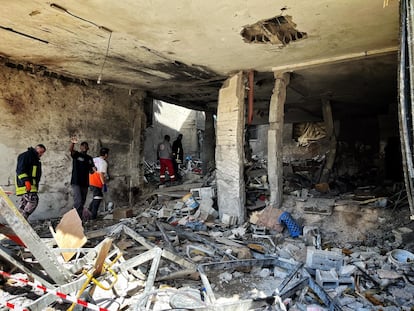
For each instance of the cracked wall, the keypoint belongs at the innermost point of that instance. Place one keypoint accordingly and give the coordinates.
(37, 109)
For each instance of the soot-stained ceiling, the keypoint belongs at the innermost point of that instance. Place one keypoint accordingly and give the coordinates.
(182, 51)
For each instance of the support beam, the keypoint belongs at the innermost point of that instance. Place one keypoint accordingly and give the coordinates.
(135, 155)
(336, 59)
(275, 139)
(405, 110)
(230, 151)
(209, 145)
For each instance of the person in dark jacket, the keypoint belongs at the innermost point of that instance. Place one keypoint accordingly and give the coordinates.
(178, 155)
(82, 166)
(28, 174)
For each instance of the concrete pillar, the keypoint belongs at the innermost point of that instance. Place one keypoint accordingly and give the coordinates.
(330, 133)
(209, 143)
(136, 155)
(275, 139)
(229, 151)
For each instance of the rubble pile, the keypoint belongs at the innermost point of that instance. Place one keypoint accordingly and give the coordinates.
(174, 253)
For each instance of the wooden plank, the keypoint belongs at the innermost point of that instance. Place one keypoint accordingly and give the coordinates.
(100, 259)
(69, 233)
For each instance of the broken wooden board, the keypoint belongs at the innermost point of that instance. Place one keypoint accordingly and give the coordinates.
(100, 259)
(69, 233)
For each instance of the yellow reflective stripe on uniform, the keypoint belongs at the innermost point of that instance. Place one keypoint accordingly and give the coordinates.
(34, 171)
(20, 190)
(21, 176)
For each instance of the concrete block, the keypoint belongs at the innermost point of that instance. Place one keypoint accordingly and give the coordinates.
(228, 219)
(327, 279)
(323, 260)
(346, 281)
(207, 212)
(165, 212)
(347, 270)
(203, 193)
(120, 213)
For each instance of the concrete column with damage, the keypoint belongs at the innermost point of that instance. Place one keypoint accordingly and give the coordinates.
(136, 155)
(330, 132)
(229, 150)
(209, 145)
(275, 139)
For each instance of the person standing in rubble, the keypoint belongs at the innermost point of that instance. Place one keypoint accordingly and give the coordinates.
(97, 182)
(164, 154)
(178, 154)
(28, 174)
(82, 166)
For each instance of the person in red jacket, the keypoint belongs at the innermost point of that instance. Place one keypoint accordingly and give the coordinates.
(28, 174)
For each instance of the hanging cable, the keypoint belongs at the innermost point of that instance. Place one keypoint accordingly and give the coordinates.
(64, 10)
(106, 56)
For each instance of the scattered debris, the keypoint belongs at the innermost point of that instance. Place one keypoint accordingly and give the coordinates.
(173, 252)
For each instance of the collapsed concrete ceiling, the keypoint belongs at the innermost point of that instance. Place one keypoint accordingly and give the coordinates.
(182, 51)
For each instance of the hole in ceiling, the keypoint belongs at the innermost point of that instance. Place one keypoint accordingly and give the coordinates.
(276, 30)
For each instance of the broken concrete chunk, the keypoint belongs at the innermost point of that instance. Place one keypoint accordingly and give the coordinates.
(327, 279)
(323, 260)
(203, 193)
(228, 219)
(264, 273)
(388, 274)
(120, 213)
(347, 270)
(225, 277)
(187, 298)
(311, 236)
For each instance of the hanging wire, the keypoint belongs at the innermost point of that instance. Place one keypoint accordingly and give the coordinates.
(106, 56)
(64, 10)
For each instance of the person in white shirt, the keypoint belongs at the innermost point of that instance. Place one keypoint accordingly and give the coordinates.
(97, 181)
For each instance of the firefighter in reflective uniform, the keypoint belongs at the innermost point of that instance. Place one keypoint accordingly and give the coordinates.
(28, 173)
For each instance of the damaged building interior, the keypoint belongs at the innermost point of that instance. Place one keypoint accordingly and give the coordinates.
(301, 197)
